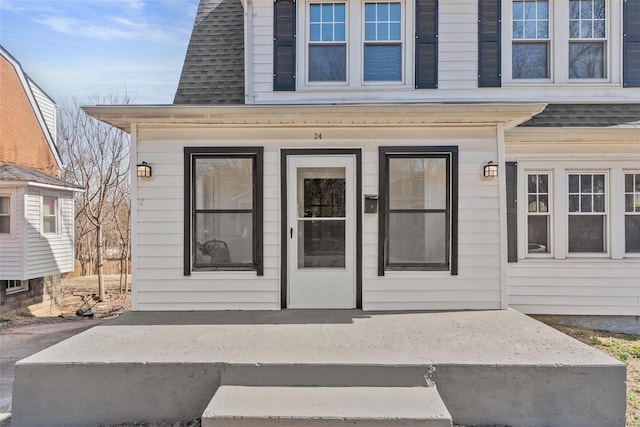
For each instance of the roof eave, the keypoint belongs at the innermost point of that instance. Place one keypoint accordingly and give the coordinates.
(509, 115)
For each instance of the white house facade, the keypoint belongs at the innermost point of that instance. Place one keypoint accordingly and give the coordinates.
(394, 155)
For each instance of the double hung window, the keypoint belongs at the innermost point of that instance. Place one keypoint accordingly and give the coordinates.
(382, 41)
(632, 212)
(5, 215)
(327, 42)
(587, 39)
(49, 215)
(587, 221)
(538, 214)
(559, 40)
(417, 210)
(531, 41)
(225, 228)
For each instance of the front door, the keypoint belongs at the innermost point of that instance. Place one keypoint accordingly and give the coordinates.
(321, 217)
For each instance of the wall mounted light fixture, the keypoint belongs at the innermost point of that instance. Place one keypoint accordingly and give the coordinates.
(144, 170)
(490, 170)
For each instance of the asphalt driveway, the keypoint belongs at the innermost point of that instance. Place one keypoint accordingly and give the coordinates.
(21, 341)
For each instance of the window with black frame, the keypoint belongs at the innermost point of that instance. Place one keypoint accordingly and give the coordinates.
(417, 211)
(225, 211)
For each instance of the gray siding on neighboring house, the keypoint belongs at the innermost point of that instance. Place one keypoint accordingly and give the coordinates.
(213, 70)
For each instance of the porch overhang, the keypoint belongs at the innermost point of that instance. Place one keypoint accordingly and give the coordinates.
(370, 115)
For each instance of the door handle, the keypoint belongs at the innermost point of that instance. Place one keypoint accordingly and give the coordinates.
(291, 233)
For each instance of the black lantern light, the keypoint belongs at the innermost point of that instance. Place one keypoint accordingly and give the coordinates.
(490, 170)
(144, 170)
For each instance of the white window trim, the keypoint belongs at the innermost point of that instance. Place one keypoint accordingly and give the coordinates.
(12, 215)
(551, 213)
(559, 47)
(606, 213)
(355, 49)
(58, 209)
(624, 215)
(23, 287)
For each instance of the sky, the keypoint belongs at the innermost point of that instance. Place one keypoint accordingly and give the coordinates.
(80, 49)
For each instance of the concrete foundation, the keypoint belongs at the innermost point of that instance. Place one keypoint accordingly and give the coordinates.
(490, 367)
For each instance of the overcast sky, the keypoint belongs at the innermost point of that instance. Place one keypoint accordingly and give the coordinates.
(82, 48)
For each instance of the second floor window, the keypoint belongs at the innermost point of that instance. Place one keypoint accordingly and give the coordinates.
(587, 39)
(530, 30)
(382, 42)
(559, 40)
(327, 42)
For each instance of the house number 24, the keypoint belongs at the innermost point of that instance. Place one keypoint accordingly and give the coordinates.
(317, 135)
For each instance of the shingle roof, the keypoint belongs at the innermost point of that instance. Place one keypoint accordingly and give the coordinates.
(587, 115)
(213, 70)
(19, 174)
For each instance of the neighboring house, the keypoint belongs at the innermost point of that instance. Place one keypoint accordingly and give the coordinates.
(36, 207)
(334, 154)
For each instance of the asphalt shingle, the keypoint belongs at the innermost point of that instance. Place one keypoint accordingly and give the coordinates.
(16, 173)
(587, 115)
(213, 70)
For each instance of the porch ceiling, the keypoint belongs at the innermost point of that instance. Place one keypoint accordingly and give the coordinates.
(509, 115)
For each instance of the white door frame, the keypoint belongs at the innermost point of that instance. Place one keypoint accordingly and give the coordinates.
(355, 156)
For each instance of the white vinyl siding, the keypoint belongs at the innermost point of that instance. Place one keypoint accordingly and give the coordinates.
(158, 227)
(603, 284)
(11, 249)
(457, 63)
(48, 253)
(47, 108)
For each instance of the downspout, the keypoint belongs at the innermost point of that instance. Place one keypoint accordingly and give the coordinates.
(502, 190)
(248, 51)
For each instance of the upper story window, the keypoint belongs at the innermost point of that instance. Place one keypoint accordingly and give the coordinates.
(530, 30)
(382, 42)
(587, 39)
(327, 42)
(49, 215)
(559, 41)
(5, 215)
(355, 44)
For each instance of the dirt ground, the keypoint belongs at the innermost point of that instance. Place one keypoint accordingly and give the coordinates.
(75, 288)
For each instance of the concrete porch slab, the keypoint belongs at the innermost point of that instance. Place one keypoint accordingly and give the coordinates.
(490, 367)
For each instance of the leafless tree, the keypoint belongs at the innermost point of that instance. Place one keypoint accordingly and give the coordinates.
(96, 157)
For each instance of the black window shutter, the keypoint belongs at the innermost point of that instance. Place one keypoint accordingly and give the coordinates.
(284, 45)
(631, 43)
(512, 210)
(489, 22)
(426, 44)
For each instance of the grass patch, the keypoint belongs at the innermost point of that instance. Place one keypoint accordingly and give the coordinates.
(3, 320)
(623, 349)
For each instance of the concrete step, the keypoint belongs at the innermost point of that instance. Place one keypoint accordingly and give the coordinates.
(251, 406)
